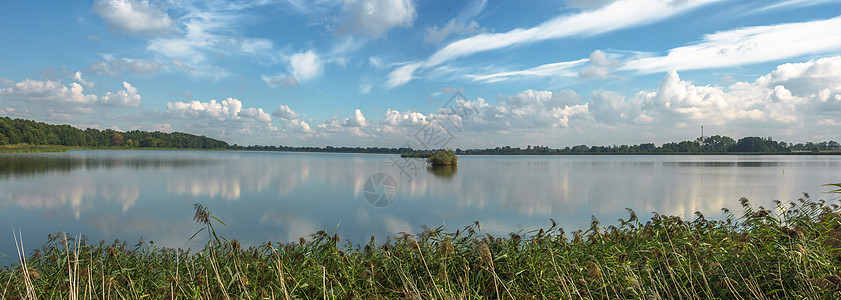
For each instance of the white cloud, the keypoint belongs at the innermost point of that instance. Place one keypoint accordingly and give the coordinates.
(402, 75)
(163, 127)
(375, 17)
(78, 77)
(306, 65)
(357, 120)
(746, 46)
(48, 91)
(615, 16)
(289, 119)
(284, 112)
(134, 17)
(124, 98)
(526, 110)
(790, 4)
(409, 118)
(599, 65)
(12, 111)
(561, 69)
(790, 96)
(228, 111)
(210, 31)
(611, 108)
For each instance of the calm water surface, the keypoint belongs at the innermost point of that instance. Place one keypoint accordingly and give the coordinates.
(279, 196)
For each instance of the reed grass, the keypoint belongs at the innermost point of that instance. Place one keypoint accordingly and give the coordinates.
(791, 251)
(27, 148)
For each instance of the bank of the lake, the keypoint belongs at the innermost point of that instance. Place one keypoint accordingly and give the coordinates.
(29, 148)
(791, 251)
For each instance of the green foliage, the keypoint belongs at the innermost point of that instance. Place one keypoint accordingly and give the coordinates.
(443, 158)
(757, 144)
(837, 185)
(20, 131)
(790, 252)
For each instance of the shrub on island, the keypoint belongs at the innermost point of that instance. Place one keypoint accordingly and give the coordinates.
(443, 158)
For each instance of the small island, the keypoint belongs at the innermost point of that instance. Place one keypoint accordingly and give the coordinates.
(443, 158)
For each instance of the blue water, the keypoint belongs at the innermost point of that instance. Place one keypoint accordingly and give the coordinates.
(281, 196)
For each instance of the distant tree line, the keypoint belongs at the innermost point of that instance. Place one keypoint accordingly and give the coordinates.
(21, 131)
(708, 145)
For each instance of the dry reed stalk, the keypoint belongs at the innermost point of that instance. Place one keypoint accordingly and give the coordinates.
(27, 281)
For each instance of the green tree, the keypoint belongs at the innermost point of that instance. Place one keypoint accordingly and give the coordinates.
(718, 143)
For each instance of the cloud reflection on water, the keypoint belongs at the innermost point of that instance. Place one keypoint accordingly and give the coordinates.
(282, 196)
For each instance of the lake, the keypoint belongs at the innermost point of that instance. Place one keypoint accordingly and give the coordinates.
(282, 196)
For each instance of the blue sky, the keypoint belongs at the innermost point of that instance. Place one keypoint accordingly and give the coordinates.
(378, 73)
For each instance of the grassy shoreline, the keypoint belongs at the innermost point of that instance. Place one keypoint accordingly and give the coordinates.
(28, 148)
(793, 251)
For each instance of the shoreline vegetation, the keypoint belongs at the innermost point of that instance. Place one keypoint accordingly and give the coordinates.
(20, 135)
(790, 251)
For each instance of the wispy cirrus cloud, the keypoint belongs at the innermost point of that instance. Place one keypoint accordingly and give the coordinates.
(611, 17)
(553, 69)
(746, 46)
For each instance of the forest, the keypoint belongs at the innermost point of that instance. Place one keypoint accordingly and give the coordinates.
(21, 131)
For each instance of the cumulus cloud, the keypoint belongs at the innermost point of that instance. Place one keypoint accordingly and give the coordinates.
(357, 120)
(78, 77)
(134, 17)
(614, 16)
(284, 112)
(599, 65)
(289, 119)
(58, 100)
(746, 46)
(124, 98)
(306, 65)
(789, 97)
(228, 113)
(409, 118)
(376, 17)
(48, 91)
(529, 109)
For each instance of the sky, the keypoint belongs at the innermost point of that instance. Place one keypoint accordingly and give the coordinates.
(428, 74)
